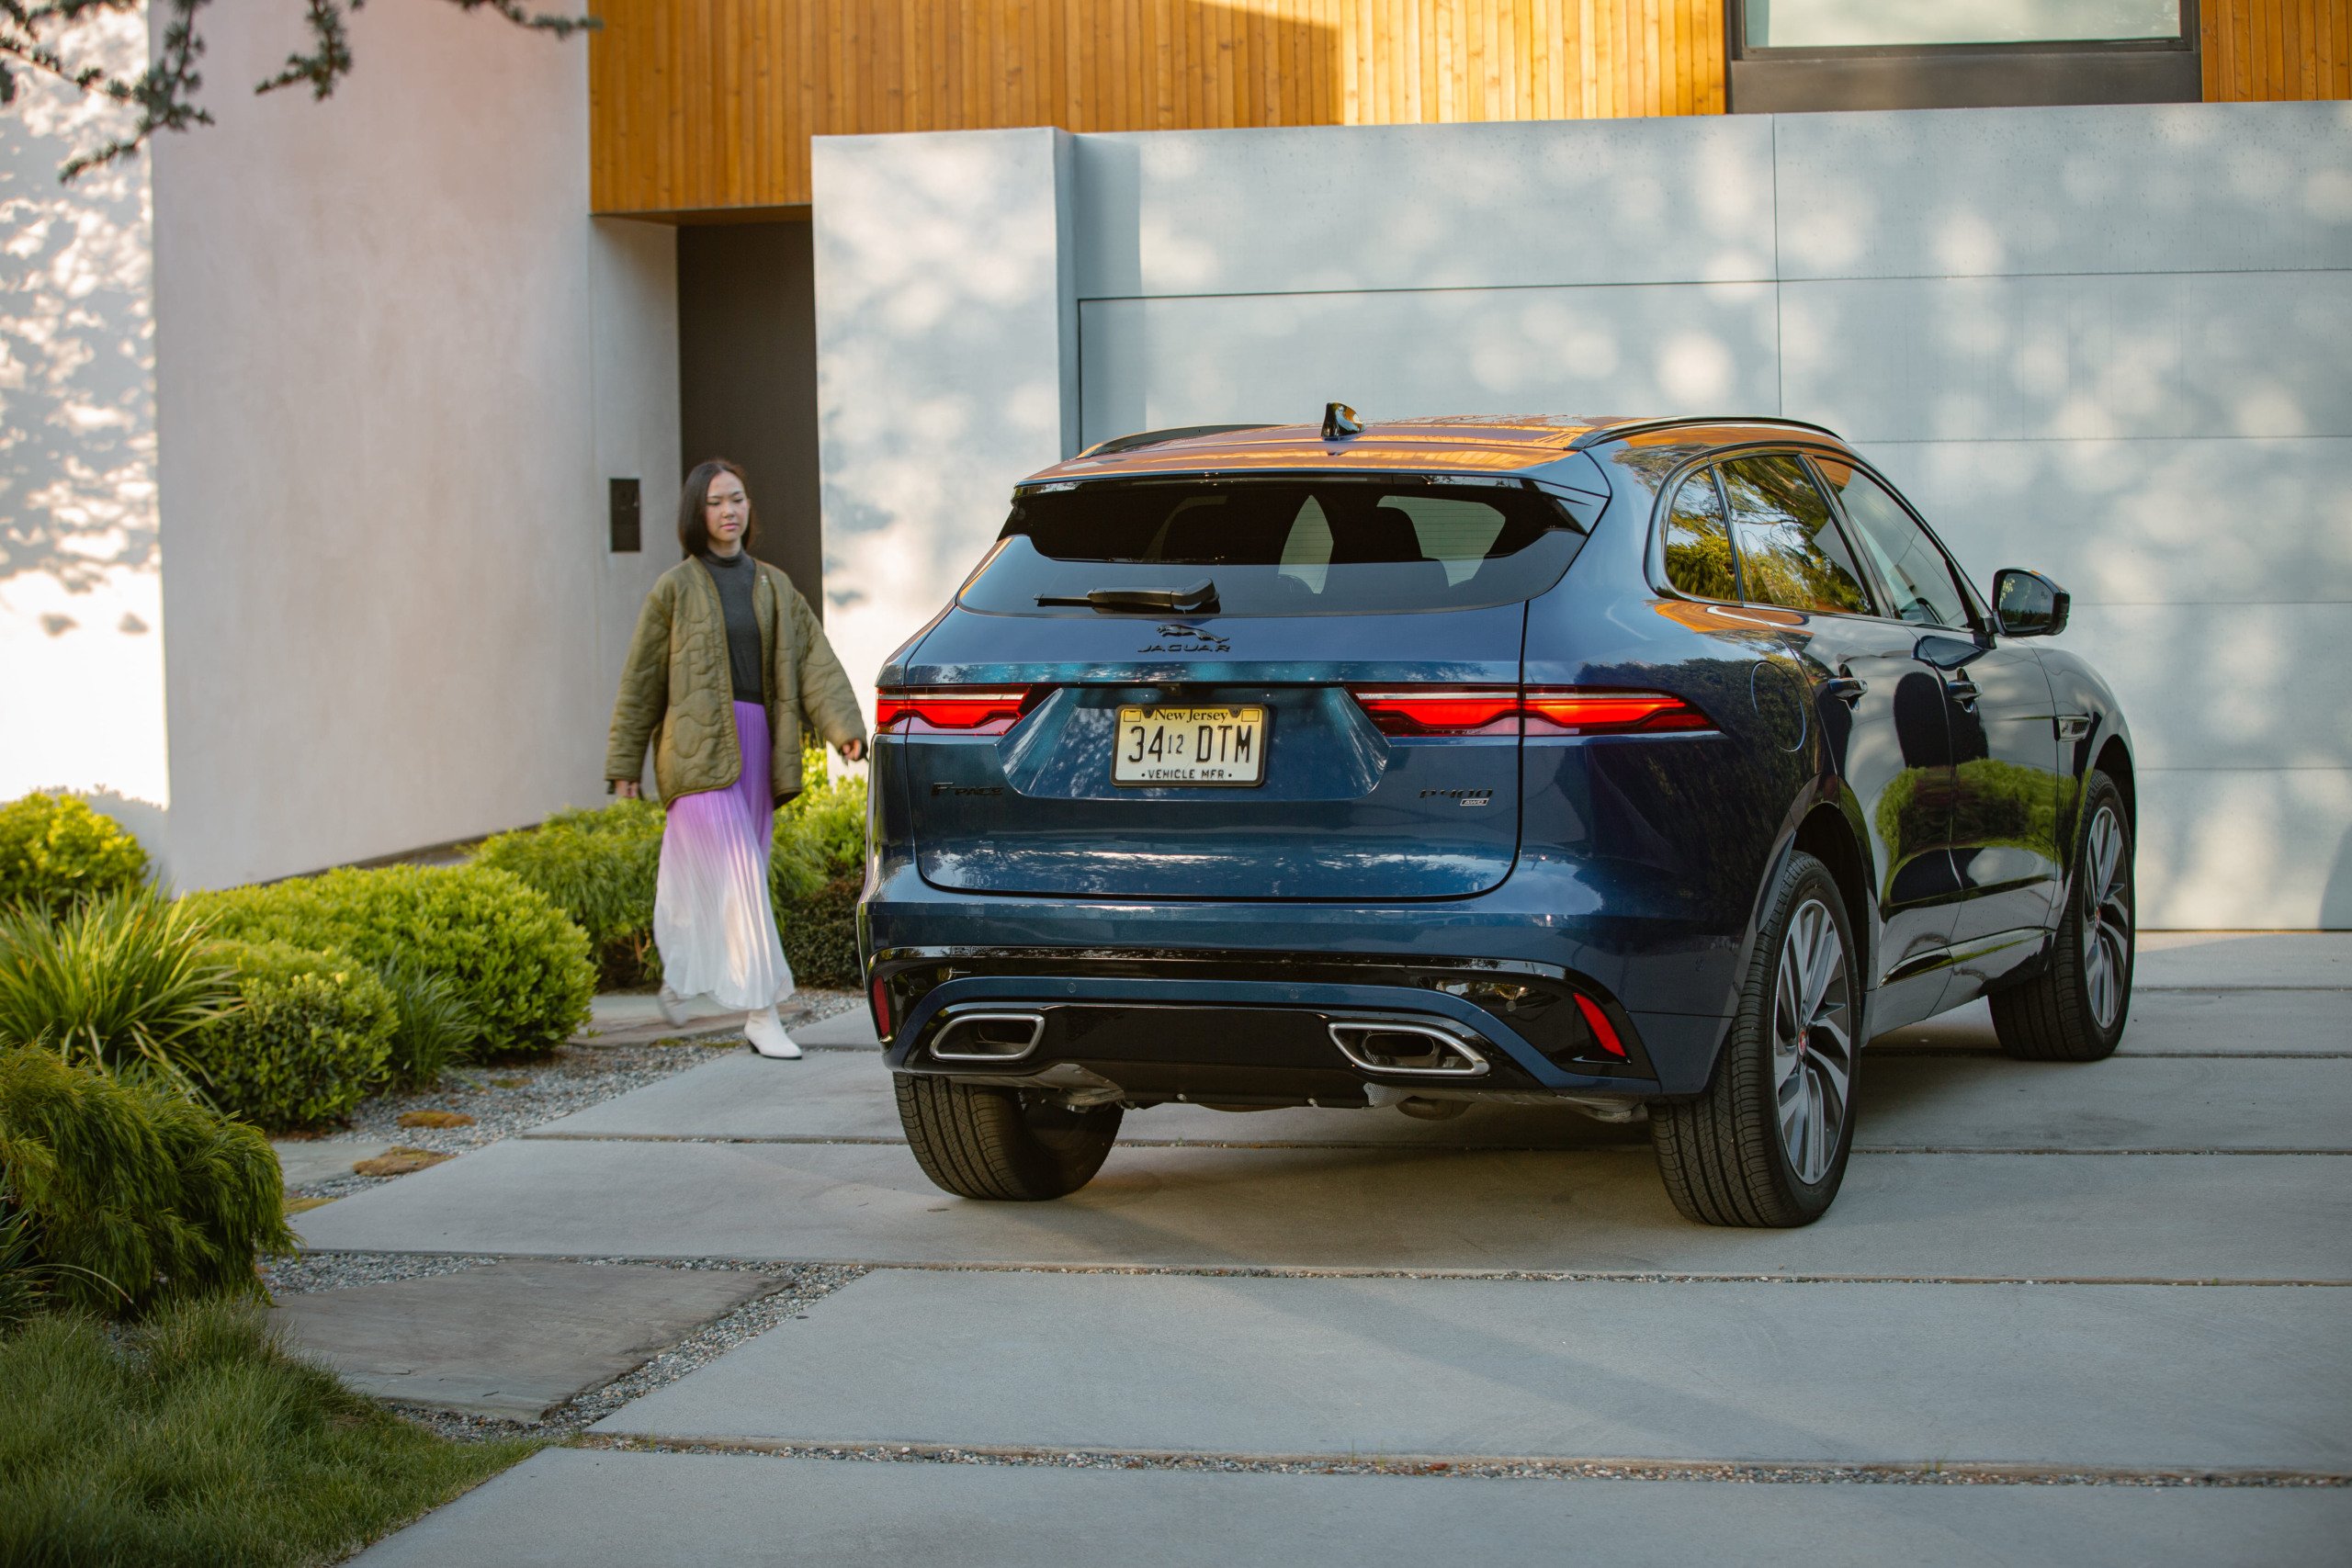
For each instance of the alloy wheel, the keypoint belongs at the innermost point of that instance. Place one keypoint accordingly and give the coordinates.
(2107, 917)
(1812, 1048)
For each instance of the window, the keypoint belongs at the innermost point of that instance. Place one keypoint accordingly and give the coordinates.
(1698, 544)
(1281, 546)
(1847, 23)
(1907, 560)
(1790, 56)
(1790, 551)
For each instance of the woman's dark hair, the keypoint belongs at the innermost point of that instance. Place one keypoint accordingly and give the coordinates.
(693, 537)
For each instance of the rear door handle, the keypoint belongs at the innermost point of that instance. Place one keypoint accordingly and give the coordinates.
(1846, 689)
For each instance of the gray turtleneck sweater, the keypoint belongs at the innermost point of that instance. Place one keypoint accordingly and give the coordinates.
(735, 575)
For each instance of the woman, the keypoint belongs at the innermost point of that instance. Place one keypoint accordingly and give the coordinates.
(726, 662)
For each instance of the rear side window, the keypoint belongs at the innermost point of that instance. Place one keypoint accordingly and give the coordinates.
(1283, 546)
(1790, 553)
(1698, 542)
(1907, 560)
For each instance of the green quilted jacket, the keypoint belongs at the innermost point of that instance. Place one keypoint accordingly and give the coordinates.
(675, 690)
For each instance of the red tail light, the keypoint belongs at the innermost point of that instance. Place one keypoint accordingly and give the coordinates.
(880, 993)
(967, 710)
(1545, 710)
(1602, 1030)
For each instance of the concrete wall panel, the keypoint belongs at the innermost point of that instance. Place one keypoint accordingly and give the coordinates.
(2186, 188)
(2178, 356)
(1195, 360)
(2233, 849)
(2185, 523)
(376, 384)
(2224, 686)
(947, 369)
(1322, 208)
(2111, 342)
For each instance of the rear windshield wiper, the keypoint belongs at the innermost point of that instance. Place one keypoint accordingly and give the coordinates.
(1200, 599)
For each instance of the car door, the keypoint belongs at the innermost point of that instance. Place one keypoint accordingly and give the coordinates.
(2007, 784)
(1880, 707)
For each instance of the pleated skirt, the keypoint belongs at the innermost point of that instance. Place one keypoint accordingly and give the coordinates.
(712, 918)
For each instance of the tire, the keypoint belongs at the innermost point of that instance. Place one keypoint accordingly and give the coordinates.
(2076, 1008)
(1006, 1144)
(1766, 1144)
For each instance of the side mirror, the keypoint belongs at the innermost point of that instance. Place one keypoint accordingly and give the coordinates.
(2025, 603)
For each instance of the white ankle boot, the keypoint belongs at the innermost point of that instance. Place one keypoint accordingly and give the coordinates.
(766, 1032)
(674, 1006)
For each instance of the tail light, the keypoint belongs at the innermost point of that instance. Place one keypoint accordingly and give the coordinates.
(1542, 710)
(1604, 1033)
(963, 710)
(879, 993)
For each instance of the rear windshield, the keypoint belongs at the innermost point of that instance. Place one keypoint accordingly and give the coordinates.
(1282, 548)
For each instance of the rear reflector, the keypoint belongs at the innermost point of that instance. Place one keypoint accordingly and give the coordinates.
(965, 709)
(881, 993)
(1602, 1030)
(1545, 710)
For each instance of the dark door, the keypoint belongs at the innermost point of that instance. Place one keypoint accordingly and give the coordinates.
(2006, 788)
(1882, 711)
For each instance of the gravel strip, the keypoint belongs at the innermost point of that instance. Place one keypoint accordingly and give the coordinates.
(1528, 1469)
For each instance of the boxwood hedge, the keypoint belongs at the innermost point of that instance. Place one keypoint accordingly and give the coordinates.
(309, 1036)
(521, 966)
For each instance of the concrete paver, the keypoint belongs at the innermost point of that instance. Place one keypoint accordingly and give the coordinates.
(302, 1162)
(507, 1338)
(2238, 1023)
(2131, 1376)
(566, 1508)
(2003, 1216)
(1908, 1101)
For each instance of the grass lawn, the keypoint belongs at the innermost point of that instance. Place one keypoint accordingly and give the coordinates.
(194, 1439)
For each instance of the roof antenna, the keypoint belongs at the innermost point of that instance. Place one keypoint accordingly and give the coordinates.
(1339, 421)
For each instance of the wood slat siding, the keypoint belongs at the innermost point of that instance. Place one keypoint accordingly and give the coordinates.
(2259, 51)
(697, 104)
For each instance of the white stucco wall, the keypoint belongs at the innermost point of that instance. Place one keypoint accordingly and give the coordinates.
(396, 362)
(81, 641)
(2112, 342)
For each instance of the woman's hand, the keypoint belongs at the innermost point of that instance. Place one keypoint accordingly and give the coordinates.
(626, 788)
(852, 751)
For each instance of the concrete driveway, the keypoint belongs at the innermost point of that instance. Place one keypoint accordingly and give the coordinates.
(2090, 1314)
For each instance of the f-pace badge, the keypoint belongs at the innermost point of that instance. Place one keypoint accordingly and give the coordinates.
(1177, 638)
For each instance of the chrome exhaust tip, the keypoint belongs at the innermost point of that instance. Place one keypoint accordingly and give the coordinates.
(1414, 1049)
(988, 1036)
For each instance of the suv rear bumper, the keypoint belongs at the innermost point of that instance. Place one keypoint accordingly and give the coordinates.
(1235, 1003)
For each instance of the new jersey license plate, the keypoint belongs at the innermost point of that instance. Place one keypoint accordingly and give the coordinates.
(1191, 746)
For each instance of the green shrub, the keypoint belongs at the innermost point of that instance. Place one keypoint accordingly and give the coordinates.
(118, 979)
(132, 1193)
(55, 850)
(599, 867)
(823, 830)
(434, 1026)
(197, 1441)
(515, 960)
(308, 1038)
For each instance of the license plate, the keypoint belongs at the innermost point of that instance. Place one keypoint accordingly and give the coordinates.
(1191, 746)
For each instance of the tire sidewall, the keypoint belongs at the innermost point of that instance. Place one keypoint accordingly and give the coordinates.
(1802, 878)
(2098, 790)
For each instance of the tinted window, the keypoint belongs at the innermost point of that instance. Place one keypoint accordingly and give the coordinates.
(1281, 547)
(1915, 571)
(1698, 544)
(1790, 551)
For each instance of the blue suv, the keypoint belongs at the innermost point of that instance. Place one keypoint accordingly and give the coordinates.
(1647, 767)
